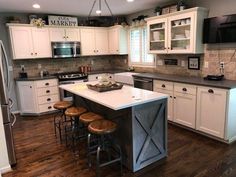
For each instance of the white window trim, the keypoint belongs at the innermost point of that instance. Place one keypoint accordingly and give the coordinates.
(138, 64)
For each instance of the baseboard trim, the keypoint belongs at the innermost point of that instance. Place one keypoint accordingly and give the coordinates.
(5, 169)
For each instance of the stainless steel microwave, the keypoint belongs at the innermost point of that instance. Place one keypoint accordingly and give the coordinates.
(66, 49)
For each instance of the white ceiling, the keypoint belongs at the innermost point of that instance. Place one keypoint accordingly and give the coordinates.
(76, 7)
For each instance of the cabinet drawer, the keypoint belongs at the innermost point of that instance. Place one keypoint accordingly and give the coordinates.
(185, 88)
(164, 85)
(46, 83)
(47, 91)
(48, 99)
(46, 107)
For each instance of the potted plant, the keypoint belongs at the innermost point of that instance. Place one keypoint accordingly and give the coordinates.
(181, 5)
(157, 10)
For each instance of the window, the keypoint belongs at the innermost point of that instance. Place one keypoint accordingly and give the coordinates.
(138, 48)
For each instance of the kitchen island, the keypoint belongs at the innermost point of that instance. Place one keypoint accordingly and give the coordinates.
(140, 114)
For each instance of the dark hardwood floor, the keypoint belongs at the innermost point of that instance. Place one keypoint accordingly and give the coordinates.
(40, 154)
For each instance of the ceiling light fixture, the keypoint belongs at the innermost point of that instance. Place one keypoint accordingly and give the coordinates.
(36, 6)
(99, 10)
(130, 0)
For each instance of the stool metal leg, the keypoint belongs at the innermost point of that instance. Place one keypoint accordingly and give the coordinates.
(98, 162)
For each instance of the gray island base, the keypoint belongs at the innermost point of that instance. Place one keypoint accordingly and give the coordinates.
(142, 130)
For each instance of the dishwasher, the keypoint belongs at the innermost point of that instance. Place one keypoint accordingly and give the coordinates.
(143, 83)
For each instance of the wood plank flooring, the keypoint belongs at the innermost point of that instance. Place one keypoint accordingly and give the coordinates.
(39, 153)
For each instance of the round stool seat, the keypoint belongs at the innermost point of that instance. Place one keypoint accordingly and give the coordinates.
(102, 127)
(90, 117)
(62, 105)
(75, 111)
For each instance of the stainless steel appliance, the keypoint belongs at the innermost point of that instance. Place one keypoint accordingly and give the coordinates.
(143, 83)
(70, 78)
(6, 104)
(66, 49)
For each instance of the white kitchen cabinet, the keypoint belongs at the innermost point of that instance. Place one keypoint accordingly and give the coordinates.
(94, 41)
(211, 111)
(117, 36)
(36, 97)
(41, 44)
(64, 34)
(30, 42)
(27, 97)
(166, 88)
(177, 32)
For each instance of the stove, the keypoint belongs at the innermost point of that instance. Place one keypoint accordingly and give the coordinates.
(70, 78)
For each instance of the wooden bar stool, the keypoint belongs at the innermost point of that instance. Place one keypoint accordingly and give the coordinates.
(74, 113)
(58, 119)
(103, 129)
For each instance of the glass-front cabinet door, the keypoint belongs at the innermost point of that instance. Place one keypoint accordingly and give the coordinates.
(157, 35)
(181, 34)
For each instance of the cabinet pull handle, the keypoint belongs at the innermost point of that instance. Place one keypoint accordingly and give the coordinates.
(49, 99)
(49, 107)
(163, 86)
(211, 91)
(184, 89)
(48, 91)
(47, 84)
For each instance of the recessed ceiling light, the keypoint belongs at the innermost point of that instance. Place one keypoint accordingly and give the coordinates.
(130, 0)
(36, 6)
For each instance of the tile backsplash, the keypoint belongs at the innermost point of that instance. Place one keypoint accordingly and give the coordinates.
(71, 64)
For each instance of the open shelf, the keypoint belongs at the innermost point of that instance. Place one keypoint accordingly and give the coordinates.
(181, 39)
(158, 41)
(156, 29)
(181, 26)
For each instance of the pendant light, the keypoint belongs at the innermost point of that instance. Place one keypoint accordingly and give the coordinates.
(99, 10)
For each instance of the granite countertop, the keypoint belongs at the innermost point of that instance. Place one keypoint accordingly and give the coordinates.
(36, 78)
(224, 84)
(126, 97)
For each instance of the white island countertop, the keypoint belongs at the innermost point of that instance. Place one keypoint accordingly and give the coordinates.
(126, 97)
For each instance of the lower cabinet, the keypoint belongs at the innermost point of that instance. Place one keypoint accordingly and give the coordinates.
(96, 77)
(36, 97)
(211, 111)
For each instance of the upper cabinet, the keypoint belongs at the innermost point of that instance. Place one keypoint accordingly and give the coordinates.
(94, 41)
(117, 40)
(64, 34)
(179, 32)
(30, 42)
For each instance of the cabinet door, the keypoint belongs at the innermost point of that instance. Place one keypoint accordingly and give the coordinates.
(181, 38)
(27, 97)
(57, 34)
(211, 111)
(88, 42)
(157, 36)
(113, 36)
(21, 41)
(72, 35)
(101, 38)
(170, 102)
(185, 109)
(41, 43)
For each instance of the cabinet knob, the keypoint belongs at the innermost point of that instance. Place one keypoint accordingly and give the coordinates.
(210, 91)
(170, 96)
(49, 107)
(67, 37)
(174, 97)
(184, 89)
(64, 37)
(47, 84)
(96, 77)
(36, 53)
(47, 91)
(30, 86)
(163, 86)
(32, 53)
(94, 51)
(49, 99)
(97, 50)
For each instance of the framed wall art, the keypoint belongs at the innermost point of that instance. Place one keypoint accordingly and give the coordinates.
(194, 63)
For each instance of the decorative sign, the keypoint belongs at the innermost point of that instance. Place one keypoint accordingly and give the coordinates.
(62, 21)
